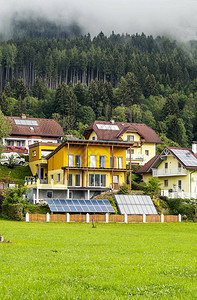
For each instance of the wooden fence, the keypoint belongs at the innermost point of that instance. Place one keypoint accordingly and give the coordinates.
(107, 218)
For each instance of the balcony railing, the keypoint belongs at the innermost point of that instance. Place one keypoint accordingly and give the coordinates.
(135, 156)
(169, 172)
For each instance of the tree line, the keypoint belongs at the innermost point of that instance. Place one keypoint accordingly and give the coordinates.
(134, 78)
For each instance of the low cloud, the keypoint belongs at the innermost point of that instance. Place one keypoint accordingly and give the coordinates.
(175, 18)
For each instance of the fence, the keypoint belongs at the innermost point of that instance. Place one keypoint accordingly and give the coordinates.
(102, 218)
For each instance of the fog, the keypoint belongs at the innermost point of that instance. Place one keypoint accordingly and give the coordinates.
(175, 18)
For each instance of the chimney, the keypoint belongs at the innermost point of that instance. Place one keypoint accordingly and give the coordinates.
(23, 116)
(194, 147)
(112, 121)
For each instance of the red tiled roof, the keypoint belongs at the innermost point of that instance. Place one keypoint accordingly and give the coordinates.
(147, 166)
(147, 134)
(45, 128)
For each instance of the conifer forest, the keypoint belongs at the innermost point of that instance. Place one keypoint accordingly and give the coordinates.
(76, 79)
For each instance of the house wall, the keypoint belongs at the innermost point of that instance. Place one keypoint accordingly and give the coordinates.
(93, 136)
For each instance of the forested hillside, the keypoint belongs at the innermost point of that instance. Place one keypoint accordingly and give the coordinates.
(134, 78)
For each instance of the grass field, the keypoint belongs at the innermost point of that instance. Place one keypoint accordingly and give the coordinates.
(111, 261)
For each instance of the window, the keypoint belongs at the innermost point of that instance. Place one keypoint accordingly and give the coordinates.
(70, 195)
(70, 160)
(97, 180)
(119, 162)
(70, 180)
(10, 143)
(77, 160)
(18, 143)
(77, 180)
(58, 177)
(128, 151)
(93, 161)
(51, 177)
(147, 152)
(166, 168)
(33, 153)
(49, 194)
(112, 165)
(130, 138)
(165, 183)
(115, 178)
(102, 161)
(93, 138)
(179, 185)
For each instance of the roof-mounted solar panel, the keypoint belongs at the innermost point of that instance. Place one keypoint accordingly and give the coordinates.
(107, 127)
(24, 122)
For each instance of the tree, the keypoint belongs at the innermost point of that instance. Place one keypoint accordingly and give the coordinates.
(5, 129)
(119, 114)
(86, 115)
(152, 188)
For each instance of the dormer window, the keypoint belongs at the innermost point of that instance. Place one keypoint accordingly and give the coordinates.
(130, 138)
(31, 128)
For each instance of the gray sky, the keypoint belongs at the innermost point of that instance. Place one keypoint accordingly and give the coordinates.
(177, 18)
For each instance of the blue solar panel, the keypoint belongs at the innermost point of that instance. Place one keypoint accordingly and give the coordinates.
(80, 206)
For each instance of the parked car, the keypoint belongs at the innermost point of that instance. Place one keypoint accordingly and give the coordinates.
(11, 157)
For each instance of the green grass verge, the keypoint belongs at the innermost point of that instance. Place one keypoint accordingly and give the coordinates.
(14, 175)
(112, 261)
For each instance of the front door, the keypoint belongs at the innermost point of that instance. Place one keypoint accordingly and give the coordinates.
(116, 182)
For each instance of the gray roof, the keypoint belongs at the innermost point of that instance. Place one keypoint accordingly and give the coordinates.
(135, 204)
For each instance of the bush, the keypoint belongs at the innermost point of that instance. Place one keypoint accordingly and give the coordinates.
(185, 207)
(13, 211)
(137, 186)
(36, 209)
(153, 187)
(113, 204)
(124, 189)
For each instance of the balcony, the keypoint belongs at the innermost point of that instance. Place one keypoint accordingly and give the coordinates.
(169, 172)
(135, 156)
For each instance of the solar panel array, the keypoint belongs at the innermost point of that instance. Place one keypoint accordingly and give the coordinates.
(135, 205)
(187, 158)
(80, 206)
(26, 122)
(107, 127)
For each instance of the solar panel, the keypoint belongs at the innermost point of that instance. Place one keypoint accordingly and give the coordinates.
(135, 204)
(107, 127)
(79, 206)
(26, 122)
(186, 157)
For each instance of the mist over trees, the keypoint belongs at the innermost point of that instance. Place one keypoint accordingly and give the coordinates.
(77, 79)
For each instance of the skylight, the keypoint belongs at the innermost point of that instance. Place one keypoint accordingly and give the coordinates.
(26, 122)
(107, 127)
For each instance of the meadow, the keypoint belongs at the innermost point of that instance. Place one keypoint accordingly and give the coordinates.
(111, 261)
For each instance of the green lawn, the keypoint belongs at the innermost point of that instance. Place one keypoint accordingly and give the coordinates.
(14, 175)
(111, 261)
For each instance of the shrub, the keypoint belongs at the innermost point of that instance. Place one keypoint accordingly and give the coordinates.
(124, 189)
(185, 207)
(13, 211)
(36, 209)
(15, 195)
(153, 187)
(137, 186)
(113, 204)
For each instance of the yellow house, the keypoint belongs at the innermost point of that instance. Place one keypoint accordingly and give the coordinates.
(143, 137)
(176, 169)
(82, 168)
(37, 158)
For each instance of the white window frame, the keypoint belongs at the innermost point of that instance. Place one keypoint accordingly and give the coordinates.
(92, 161)
(70, 175)
(119, 162)
(79, 161)
(102, 162)
(70, 160)
(147, 151)
(79, 179)
(130, 138)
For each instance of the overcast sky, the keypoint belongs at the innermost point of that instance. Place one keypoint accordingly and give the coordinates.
(177, 18)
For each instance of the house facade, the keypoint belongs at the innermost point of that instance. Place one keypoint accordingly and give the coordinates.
(176, 169)
(26, 131)
(80, 169)
(143, 137)
(37, 159)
